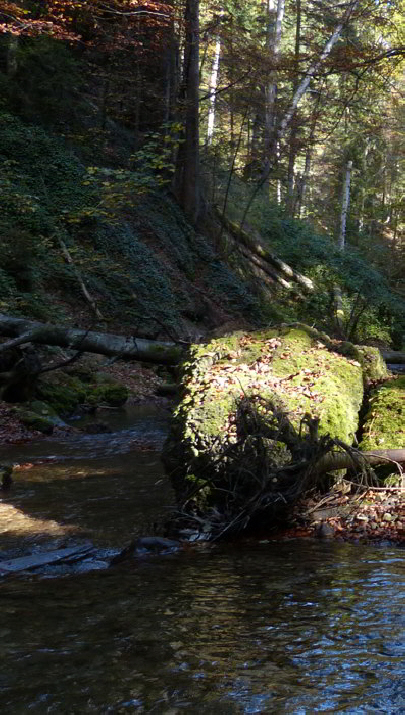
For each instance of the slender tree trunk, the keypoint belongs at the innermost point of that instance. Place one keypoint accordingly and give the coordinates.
(291, 203)
(300, 91)
(12, 61)
(213, 89)
(303, 86)
(274, 28)
(303, 189)
(345, 205)
(186, 179)
(89, 298)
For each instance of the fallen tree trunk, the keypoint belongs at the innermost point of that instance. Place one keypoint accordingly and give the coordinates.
(253, 245)
(393, 357)
(131, 348)
(343, 460)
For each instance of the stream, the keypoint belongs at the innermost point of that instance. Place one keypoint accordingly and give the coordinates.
(291, 627)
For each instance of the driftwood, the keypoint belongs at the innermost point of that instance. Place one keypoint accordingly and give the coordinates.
(130, 348)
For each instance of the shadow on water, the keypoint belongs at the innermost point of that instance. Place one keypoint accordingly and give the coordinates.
(105, 487)
(279, 628)
(294, 628)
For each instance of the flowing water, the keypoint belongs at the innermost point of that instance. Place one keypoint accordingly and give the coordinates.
(294, 627)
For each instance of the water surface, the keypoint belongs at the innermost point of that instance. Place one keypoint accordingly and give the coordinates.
(295, 627)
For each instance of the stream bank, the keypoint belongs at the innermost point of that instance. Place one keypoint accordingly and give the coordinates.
(69, 487)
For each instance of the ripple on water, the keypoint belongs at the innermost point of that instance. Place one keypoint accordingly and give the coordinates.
(285, 628)
(289, 628)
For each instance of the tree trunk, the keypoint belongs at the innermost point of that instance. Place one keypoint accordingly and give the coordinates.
(186, 179)
(89, 298)
(393, 358)
(345, 206)
(303, 86)
(298, 94)
(291, 184)
(274, 25)
(265, 255)
(213, 89)
(129, 348)
(342, 460)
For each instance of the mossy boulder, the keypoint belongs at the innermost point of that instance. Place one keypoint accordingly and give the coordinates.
(66, 393)
(373, 363)
(43, 409)
(384, 425)
(114, 395)
(34, 421)
(291, 367)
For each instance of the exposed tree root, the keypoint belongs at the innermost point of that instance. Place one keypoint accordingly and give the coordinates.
(265, 467)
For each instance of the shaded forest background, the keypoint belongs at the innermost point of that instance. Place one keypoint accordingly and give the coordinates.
(138, 138)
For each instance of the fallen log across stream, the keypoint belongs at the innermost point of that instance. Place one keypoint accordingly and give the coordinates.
(393, 357)
(130, 348)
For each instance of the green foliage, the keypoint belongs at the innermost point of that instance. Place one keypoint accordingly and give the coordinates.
(234, 294)
(372, 310)
(45, 85)
(151, 168)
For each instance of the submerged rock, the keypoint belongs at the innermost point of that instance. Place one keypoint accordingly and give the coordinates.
(146, 544)
(6, 478)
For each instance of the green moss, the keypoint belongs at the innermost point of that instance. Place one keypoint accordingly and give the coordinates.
(65, 393)
(373, 363)
(290, 367)
(34, 421)
(384, 426)
(63, 398)
(114, 395)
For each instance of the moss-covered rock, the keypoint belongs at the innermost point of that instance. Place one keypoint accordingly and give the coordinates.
(289, 366)
(65, 393)
(384, 425)
(43, 409)
(34, 421)
(62, 392)
(114, 395)
(373, 363)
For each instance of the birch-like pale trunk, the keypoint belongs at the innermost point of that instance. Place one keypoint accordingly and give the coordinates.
(303, 189)
(363, 188)
(303, 86)
(274, 29)
(345, 205)
(292, 182)
(213, 90)
(304, 182)
(298, 94)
